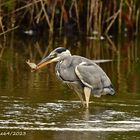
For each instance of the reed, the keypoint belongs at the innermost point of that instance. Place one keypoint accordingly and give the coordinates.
(97, 15)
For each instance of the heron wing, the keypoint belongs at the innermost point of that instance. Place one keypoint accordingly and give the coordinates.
(92, 76)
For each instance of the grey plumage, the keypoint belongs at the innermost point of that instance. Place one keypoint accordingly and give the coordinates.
(80, 73)
(88, 74)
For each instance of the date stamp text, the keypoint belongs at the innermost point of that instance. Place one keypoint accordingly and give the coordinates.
(12, 133)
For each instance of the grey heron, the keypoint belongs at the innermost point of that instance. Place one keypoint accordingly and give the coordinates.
(81, 74)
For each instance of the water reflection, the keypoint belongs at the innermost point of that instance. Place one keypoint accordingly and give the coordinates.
(39, 102)
(18, 113)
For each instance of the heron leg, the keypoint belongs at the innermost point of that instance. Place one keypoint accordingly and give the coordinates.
(79, 92)
(87, 92)
(81, 98)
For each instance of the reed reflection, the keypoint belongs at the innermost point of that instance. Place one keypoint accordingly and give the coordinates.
(124, 54)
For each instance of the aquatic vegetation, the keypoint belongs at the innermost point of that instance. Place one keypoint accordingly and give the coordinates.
(89, 16)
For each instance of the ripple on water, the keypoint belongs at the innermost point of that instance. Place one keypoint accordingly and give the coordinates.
(64, 115)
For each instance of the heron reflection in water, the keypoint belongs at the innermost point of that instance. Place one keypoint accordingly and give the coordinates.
(83, 75)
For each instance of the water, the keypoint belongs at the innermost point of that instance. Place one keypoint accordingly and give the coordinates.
(38, 106)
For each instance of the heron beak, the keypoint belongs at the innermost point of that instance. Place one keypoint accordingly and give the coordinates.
(45, 62)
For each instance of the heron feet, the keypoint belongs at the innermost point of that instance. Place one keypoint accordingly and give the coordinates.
(84, 100)
(84, 105)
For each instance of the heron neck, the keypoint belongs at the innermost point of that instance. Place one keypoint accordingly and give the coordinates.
(65, 56)
(66, 60)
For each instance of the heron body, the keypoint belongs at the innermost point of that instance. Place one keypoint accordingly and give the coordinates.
(80, 73)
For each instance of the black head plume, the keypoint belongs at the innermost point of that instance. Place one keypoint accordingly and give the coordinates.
(60, 50)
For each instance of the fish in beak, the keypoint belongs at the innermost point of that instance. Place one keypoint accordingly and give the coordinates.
(47, 60)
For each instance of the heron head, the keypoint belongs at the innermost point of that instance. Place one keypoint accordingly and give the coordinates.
(55, 56)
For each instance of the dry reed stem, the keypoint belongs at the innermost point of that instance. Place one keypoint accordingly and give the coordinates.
(88, 5)
(9, 30)
(25, 6)
(39, 49)
(52, 16)
(113, 47)
(61, 18)
(95, 22)
(38, 16)
(100, 18)
(46, 15)
(1, 24)
(90, 15)
(113, 20)
(70, 9)
(120, 16)
(1, 52)
(48, 49)
(137, 21)
(77, 13)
